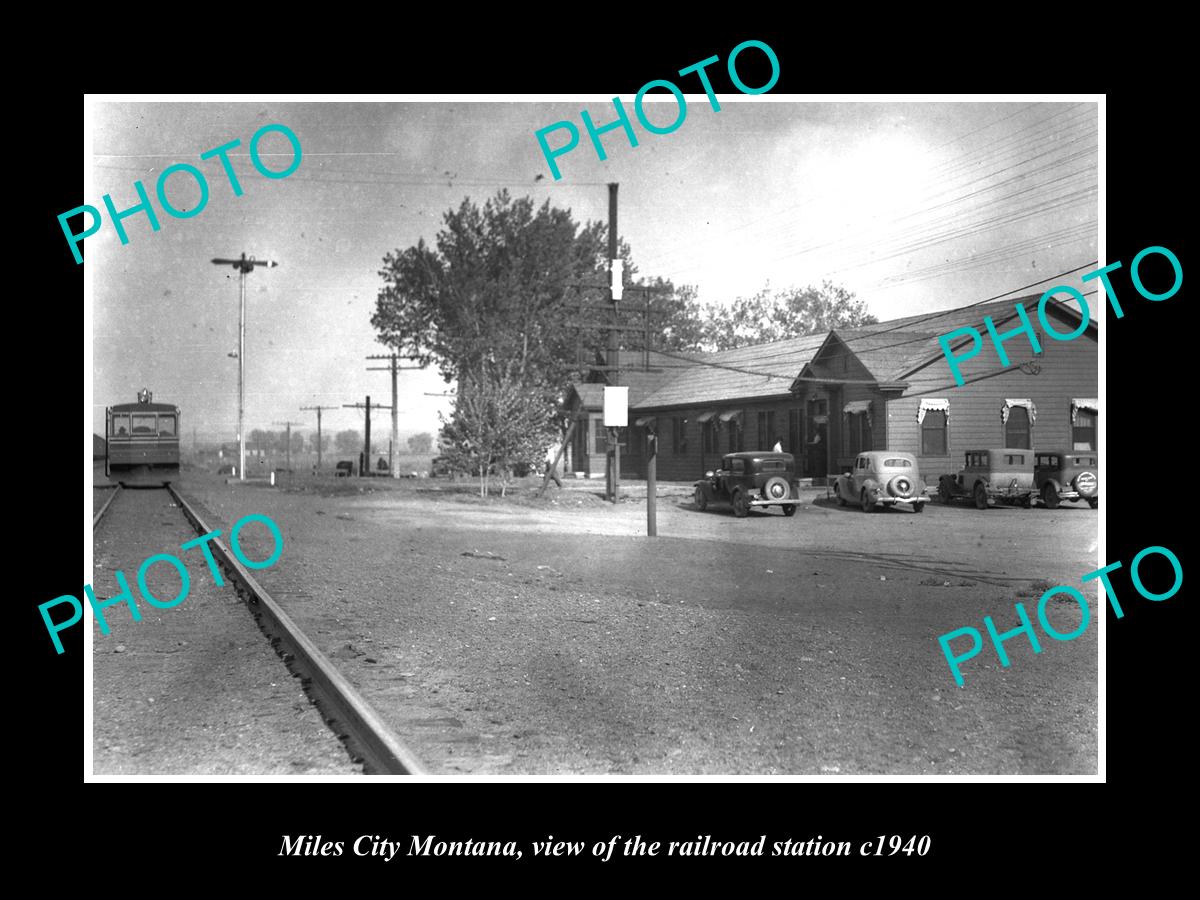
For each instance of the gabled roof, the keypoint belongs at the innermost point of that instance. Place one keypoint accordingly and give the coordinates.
(759, 370)
(888, 350)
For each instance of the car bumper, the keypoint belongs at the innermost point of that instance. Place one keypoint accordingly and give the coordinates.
(893, 501)
(791, 501)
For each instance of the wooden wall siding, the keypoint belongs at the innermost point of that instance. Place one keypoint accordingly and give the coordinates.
(694, 463)
(1068, 369)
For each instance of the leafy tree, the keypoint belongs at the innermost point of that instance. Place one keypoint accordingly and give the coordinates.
(421, 443)
(498, 286)
(783, 314)
(349, 441)
(326, 441)
(499, 420)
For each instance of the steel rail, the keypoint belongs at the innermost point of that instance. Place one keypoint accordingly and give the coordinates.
(107, 503)
(364, 730)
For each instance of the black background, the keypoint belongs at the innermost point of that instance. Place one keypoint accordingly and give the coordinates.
(981, 829)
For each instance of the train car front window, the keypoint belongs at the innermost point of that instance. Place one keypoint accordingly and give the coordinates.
(120, 425)
(143, 424)
(166, 426)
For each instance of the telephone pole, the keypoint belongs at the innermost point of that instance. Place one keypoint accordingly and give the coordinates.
(365, 468)
(288, 450)
(613, 463)
(394, 367)
(244, 267)
(318, 409)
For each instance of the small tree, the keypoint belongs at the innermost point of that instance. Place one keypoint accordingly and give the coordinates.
(498, 421)
(420, 443)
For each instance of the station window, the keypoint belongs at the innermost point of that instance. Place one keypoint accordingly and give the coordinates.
(120, 425)
(708, 436)
(144, 424)
(1083, 431)
(679, 435)
(599, 436)
(858, 433)
(766, 428)
(933, 433)
(1016, 429)
(166, 426)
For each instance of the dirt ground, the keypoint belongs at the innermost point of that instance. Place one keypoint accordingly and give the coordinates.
(551, 636)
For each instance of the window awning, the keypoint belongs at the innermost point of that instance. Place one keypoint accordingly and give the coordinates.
(644, 421)
(857, 408)
(706, 416)
(730, 415)
(1027, 404)
(1091, 404)
(934, 403)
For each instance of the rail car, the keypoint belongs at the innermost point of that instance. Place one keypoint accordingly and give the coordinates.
(142, 442)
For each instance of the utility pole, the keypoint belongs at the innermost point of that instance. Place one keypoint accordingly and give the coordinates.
(244, 267)
(365, 468)
(288, 450)
(394, 367)
(318, 409)
(613, 463)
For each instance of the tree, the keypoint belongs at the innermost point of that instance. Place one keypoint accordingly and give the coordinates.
(500, 285)
(349, 441)
(421, 443)
(794, 312)
(498, 421)
(326, 440)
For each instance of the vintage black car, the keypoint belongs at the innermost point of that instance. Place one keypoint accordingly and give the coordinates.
(1066, 475)
(751, 478)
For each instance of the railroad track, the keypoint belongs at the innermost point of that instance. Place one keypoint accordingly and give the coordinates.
(350, 717)
(107, 503)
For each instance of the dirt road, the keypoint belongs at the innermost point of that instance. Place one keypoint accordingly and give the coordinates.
(553, 637)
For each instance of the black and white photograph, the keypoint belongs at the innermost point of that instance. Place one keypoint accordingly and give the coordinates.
(694, 433)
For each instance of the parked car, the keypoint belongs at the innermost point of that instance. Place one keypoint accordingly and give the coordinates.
(882, 478)
(344, 469)
(1003, 475)
(751, 478)
(1066, 475)
(440, 466)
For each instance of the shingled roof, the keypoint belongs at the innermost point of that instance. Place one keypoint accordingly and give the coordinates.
(889, 350)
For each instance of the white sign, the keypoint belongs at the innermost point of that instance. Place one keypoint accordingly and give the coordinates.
(618, 268)
(616, 407)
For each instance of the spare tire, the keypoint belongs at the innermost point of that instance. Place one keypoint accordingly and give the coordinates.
(900, 486)
(1086, 484)
(776, 488)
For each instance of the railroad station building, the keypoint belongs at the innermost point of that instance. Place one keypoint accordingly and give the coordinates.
(826, 397)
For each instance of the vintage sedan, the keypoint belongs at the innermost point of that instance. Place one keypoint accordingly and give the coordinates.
(1003, 475)
(882, 478)
(751, 478)
(1066, 475)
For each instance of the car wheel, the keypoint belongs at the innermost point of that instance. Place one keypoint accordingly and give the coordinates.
(918, 507)
(776, 488)
(868, 504)
(741, 504)
(1050, 496)
(944, 491)
(789, 509)
(1093, 502)
(837, 492)
(980, 496)
(701, 499)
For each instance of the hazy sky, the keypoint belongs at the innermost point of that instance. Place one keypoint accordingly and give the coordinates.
(913, 206)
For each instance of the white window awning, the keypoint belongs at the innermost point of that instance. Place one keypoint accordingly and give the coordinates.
(858, 408)
(730, 415)
(1025, 403)
(643, 421)
(932, 403)
(706, 416)
(1091, 404)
